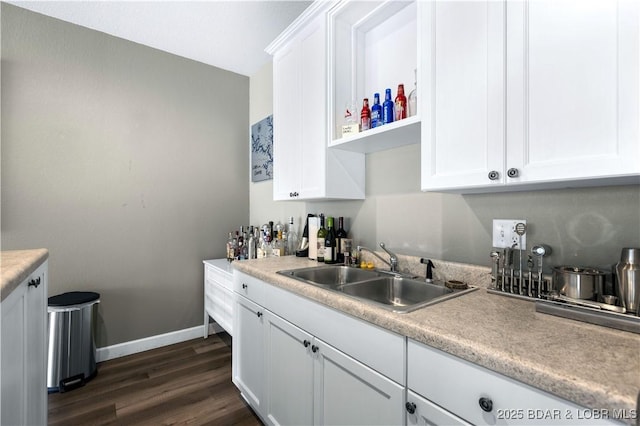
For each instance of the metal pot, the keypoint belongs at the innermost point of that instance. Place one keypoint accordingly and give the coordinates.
(578, 282)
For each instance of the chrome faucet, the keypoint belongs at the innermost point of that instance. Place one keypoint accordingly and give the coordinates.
(393, 259)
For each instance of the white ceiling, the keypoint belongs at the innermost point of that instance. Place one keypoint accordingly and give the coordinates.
(228, 34)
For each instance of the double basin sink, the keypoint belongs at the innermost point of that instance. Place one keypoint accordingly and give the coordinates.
(392, 291)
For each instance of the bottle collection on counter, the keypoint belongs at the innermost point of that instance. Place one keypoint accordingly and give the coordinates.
(322, 240)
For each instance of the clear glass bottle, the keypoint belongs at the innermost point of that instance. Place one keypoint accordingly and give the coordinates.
(292, 237)
(412, 101)
(251, 244)
(230, 248)
(387, 108)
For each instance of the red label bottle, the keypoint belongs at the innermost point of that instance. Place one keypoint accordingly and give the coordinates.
(365, 115)
(401, 103)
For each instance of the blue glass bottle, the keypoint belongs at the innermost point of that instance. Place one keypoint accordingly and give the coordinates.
(387, 108)
(376, 111)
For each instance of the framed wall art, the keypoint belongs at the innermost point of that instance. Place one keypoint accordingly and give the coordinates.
(262, 150)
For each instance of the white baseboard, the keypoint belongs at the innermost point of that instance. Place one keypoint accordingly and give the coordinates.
(153, 342)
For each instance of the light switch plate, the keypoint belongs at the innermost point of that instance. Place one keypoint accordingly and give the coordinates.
(504, 234)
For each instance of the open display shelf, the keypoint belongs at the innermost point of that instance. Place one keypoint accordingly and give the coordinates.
(373, 46)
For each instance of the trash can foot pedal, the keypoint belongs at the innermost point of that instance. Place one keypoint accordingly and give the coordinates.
(72, 383)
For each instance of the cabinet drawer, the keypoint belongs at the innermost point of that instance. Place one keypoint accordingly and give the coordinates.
(249, 287)
(219, 277)
(457, 386)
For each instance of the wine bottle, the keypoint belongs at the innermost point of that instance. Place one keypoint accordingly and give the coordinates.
(365, 115)
(322, 233)
(401, 103)
(387, 108)
(330, 243)
(376, 111)
(340, 235)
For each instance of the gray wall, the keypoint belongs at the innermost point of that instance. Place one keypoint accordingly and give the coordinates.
(585, 226)
(129, 164)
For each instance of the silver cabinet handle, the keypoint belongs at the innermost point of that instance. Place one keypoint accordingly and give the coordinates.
(512, 173)
(494, 175)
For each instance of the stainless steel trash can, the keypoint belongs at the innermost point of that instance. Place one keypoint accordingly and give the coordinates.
(71, 359)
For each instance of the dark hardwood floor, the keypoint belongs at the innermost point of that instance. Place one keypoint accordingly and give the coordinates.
(185, 383)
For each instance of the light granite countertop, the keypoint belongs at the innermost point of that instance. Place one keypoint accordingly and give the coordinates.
(593, 366)
(16, 265)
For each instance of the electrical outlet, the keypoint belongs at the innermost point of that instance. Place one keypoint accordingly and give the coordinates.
(504, 234)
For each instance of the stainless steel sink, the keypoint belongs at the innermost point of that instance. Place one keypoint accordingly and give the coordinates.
(332, 276)
(390, 291)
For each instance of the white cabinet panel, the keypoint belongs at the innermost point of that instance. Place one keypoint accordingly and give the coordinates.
(218, 295)
(23, 394)
(572, 89)
(463, 67)
(289, 373)
(348, 392)
(248, 351)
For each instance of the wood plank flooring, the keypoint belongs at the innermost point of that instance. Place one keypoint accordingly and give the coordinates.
(185, 383)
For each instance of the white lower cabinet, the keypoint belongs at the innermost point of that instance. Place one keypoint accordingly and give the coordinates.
(23, 394)
(218, 294)
(290, 376)
(348, 392)
(482, 397)
(289, 373)
(248, 351)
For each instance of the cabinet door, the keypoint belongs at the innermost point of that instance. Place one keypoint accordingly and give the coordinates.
(36, 349)
(247, 354)
(14, 334)
(289, 373)
(23, 396)
(462, 66)
(287, 114)
(424, 412)
(572, 89)
(348, 392)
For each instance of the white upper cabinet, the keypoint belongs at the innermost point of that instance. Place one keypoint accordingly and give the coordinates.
(526, 95)
(303, 167)
(373, 46)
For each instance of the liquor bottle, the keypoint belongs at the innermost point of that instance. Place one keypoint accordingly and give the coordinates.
(236, 246)
(376, 111)
(278, 246)
(240, 250)
(413, 96)
(330, 243)
(230, 248)
(322, 233)
(387, 108)
(292, 237)
(401, 103)
(251, 244)
(365, 115)
(340, 235)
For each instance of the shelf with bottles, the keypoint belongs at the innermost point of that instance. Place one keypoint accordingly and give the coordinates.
(373, 47)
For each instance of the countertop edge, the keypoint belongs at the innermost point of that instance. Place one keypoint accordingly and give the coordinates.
(16, 265)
